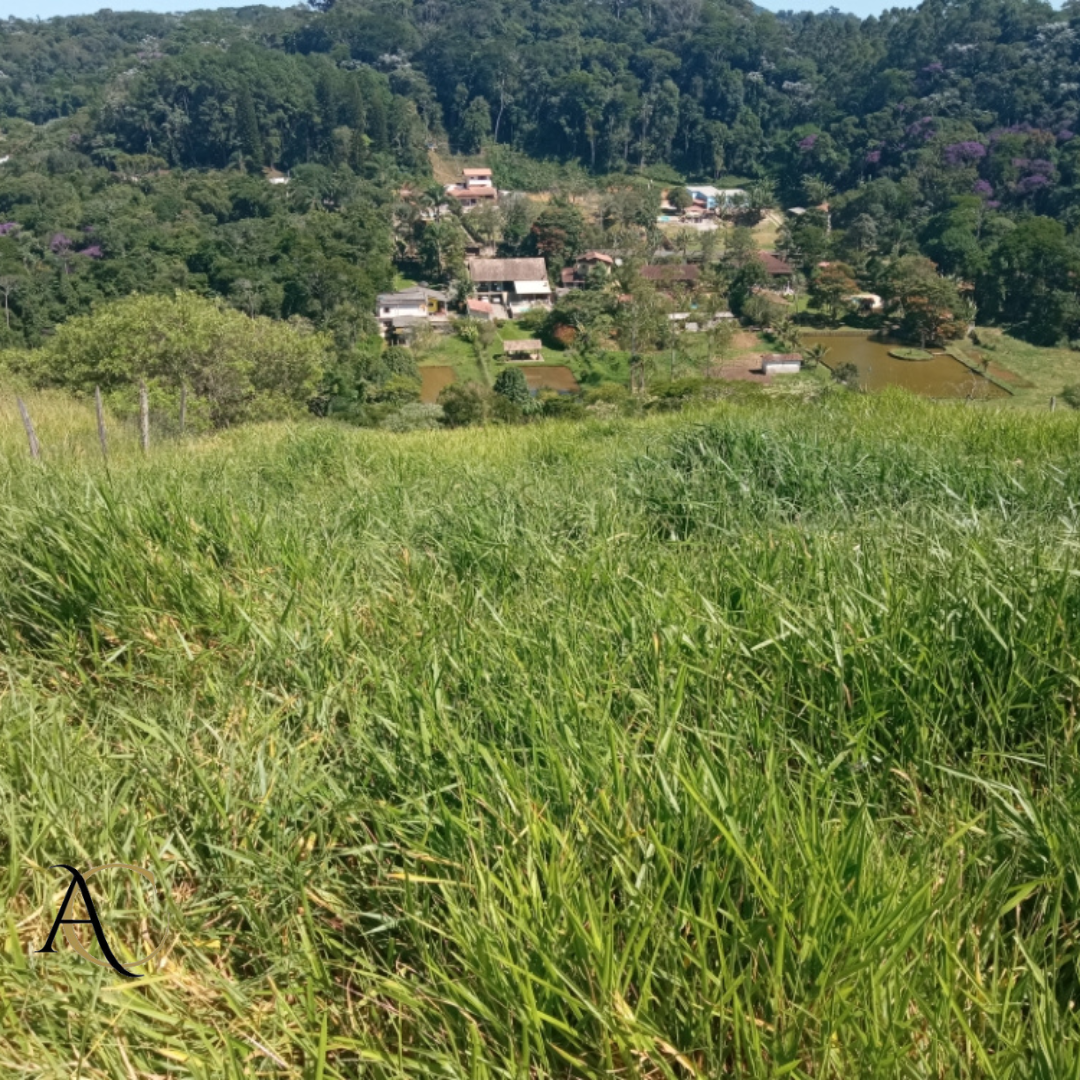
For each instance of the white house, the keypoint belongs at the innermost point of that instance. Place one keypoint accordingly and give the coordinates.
(516, 284)
(476, 187)
(399, 312)
(714, 198)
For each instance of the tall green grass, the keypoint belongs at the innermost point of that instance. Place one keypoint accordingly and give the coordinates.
(740, 744)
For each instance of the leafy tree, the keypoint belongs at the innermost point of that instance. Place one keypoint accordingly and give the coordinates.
(510, 384)
(558, 233)
(239, 368)
(761, 196)
(1032, 282)
(740, 247)
(475, 125)
(680, 198)
(750, 276)
(929, 305)
(831, 286)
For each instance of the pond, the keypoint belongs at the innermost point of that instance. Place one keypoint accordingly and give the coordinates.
(941, 377)
(551, 378)
(432, 380)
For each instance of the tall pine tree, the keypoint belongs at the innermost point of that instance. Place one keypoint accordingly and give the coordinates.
(248, 138)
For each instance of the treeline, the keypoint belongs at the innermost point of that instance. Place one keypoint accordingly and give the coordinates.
(318, 248)
(709, 86)
(947, 131)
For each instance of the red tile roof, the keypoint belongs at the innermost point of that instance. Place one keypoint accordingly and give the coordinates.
(671, 272)
(774, 264)
(472, 192)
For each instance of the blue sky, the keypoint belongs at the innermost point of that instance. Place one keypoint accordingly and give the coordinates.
(44, 9)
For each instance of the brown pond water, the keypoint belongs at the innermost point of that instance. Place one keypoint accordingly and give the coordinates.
(432, 380)
(551, 378)
(941, 377)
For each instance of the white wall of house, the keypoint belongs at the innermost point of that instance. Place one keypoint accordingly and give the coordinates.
(397, 311)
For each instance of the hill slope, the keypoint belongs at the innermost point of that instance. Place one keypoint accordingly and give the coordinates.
(742, 744)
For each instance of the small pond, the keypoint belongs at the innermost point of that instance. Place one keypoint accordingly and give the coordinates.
(432, 380)
(941, 377)
(551, 378)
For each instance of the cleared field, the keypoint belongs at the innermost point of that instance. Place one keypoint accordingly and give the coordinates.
(733, 744)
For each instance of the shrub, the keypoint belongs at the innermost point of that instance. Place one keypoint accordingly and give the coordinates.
(505, 411)
(464, 404)
(562, 406)
(397, 360)
(607, 393)
(414, 417)
(533, 322)
(761, 311)
(1071, 396)
(398, 390)
(848, 374)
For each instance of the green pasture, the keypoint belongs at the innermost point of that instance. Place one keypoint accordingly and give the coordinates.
(733, 743)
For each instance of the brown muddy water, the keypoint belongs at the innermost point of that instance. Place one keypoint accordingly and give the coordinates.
(551, 378)
(941, 377)
(432, 380)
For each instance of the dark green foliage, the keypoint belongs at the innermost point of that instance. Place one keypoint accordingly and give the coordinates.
(847, 374)
(464, 404)
(510, 383)
(247, 128)
(316, 248)
(562, 406)
(559, 234)
(949, 133)
(1071, 396)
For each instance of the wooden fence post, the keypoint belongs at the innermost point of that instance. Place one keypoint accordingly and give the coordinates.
(1053, 404)
(31, 435)
(100, 410)
(144, 417)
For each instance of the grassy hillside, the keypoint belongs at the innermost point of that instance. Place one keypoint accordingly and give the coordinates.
(741, 743)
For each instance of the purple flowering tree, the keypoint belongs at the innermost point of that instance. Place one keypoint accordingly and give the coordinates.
(963, 153)
(923, 128)
(983, 188)
(60, 246)
(1028, 185)
(807, 143)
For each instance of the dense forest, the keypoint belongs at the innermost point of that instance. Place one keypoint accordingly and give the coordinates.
(135, 142)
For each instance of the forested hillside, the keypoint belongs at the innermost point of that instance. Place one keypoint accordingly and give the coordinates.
(936, 130)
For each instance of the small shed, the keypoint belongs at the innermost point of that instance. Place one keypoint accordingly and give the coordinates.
(781, 364)
(522, 351)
